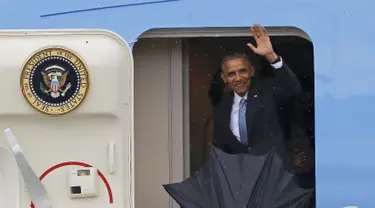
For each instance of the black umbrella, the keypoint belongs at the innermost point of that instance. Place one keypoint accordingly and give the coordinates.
(240, 181)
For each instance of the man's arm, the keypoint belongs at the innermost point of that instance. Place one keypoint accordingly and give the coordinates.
(285, 84)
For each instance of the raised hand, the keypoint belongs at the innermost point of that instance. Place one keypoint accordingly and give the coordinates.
(263, 42)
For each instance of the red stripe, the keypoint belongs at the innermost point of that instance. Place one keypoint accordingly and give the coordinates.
(49, 170)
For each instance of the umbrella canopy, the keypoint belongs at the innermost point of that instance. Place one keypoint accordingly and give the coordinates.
(240, 181)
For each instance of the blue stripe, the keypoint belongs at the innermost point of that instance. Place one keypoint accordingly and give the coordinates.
(106, 7)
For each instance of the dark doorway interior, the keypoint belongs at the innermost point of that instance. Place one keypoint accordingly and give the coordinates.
(204, 61)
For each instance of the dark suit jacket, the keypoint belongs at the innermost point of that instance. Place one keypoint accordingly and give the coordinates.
(265, 97)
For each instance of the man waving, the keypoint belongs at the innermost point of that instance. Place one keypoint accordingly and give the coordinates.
(247, 117)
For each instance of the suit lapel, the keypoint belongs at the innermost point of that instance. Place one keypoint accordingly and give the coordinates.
(226, 113)
(253, 103)
(227, 110)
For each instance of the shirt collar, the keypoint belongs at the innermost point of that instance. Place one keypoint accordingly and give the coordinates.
(238, 98)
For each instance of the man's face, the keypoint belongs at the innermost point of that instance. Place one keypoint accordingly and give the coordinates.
(237, 75)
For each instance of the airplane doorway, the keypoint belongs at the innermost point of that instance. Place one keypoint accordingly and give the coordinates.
(204, 56)
(172, 73)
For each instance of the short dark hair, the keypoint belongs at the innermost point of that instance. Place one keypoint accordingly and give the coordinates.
(233, 56)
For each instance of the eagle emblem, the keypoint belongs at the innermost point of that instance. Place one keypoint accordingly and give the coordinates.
(57, 83)
(54, 79)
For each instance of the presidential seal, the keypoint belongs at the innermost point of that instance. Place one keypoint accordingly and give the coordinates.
(54, 81)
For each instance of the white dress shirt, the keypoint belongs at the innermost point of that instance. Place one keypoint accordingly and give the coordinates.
(234, 125)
